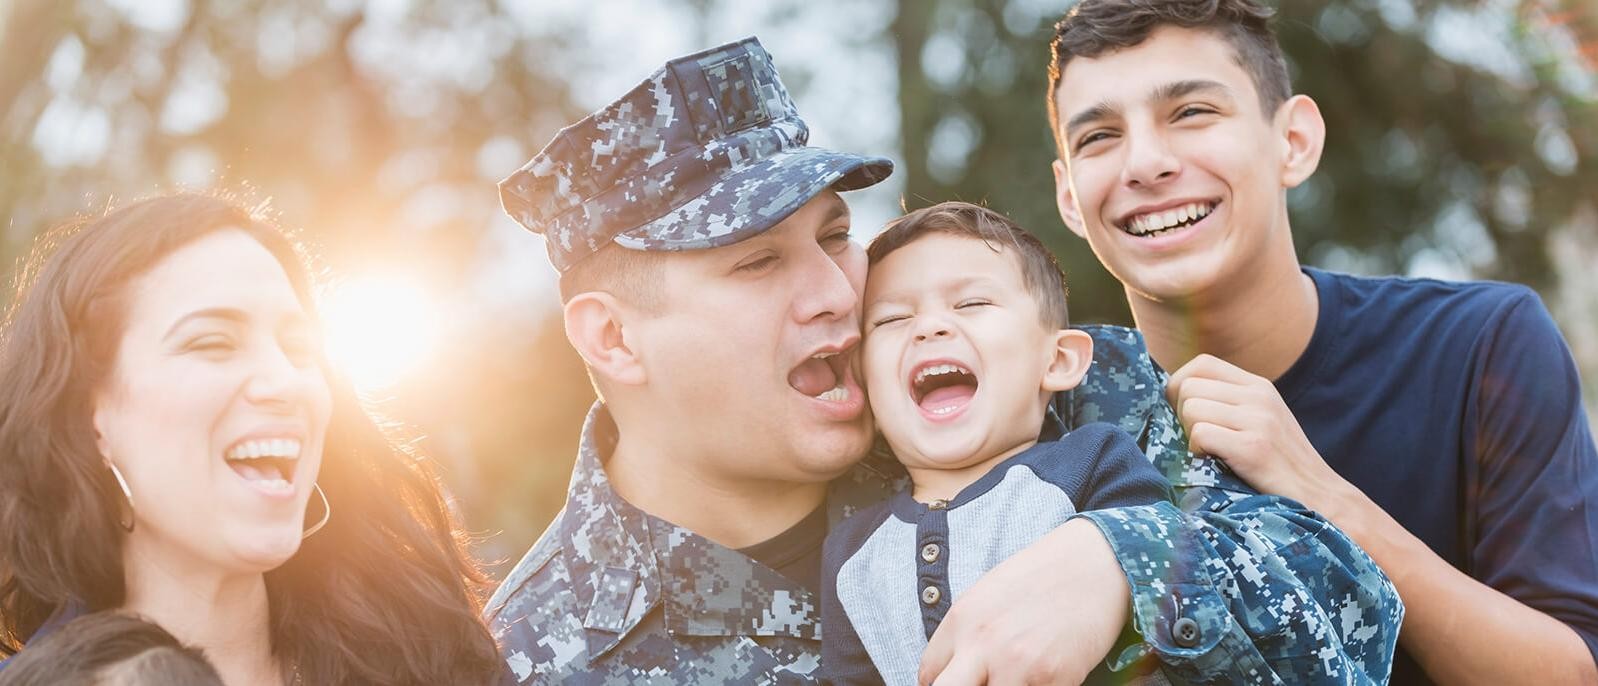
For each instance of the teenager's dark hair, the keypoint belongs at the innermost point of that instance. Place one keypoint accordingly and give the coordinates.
(109, 649)
(1097, 27)
(1039, 270)
(384, 594)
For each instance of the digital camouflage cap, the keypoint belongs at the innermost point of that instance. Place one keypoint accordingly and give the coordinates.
(708, 151)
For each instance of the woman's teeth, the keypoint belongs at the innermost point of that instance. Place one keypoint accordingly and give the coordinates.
(275, 447)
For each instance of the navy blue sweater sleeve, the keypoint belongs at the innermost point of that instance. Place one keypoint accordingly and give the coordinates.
(843, 657)
(1536, 480)
(1100, 467)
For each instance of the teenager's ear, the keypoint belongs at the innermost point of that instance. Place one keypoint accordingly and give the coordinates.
(1065, 199)
(596, 326)
(1303, 135)
(1073, 354)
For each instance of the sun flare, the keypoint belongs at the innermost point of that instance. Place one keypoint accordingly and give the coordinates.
(380, 328)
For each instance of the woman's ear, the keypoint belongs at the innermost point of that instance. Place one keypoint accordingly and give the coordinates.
(1071, 356)
(596, 326)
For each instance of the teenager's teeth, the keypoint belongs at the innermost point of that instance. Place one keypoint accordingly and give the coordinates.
(945, 410)
(1156, 222)
(837, 395)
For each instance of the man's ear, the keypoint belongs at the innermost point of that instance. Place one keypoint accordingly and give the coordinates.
(596, 326)
(1303, 137)
(1072, 355)
(1065, 199)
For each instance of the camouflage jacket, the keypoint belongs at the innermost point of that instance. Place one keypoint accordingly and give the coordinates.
(1233, 588)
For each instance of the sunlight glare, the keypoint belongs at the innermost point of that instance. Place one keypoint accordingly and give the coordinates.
(379, 328)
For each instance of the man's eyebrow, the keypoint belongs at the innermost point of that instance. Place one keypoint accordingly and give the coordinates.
(224, 313)
(1177, 89)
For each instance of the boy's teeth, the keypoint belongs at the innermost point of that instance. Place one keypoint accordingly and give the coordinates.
(836, 395)
(937, 369)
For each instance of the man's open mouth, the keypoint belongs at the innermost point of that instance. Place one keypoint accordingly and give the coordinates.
(941, 387)
(1161, 222)
(824, 376)
(267, 464)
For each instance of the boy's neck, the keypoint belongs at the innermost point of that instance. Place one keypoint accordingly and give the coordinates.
(930, 485)
(1261, 321)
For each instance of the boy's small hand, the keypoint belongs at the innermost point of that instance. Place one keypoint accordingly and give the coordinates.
(1239, 417)
(1046, 615)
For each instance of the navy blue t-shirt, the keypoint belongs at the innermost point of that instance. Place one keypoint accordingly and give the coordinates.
(1457, 408)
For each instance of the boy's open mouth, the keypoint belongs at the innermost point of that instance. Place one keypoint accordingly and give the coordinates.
(940, 387)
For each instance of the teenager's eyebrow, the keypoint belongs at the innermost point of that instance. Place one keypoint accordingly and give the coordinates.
(1177, 89)
(1103, 110)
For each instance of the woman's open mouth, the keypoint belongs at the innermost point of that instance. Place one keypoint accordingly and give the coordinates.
(266, 464)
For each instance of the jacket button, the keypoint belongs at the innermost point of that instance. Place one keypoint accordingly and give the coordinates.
(1185, 632)
(929, 552)
(930, 595)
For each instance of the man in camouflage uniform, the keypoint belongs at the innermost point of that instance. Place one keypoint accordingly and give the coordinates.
(711, 288)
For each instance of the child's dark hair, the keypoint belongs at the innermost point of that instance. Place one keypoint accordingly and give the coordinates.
(1039, 270)
(109, 649)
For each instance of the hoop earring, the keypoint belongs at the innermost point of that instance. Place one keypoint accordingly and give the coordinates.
(327, 513)
(126, 493)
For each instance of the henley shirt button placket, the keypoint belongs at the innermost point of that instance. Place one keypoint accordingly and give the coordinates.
(930, 595)
(929, 553)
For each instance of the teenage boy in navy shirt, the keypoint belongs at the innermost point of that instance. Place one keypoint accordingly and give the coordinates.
(1440, 424)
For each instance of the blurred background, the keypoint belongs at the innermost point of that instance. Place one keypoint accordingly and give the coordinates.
(1463, 143)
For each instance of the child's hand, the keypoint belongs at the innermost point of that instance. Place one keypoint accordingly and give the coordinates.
(1239, 418)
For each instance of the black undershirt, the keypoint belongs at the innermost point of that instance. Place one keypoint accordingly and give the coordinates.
(795, 553)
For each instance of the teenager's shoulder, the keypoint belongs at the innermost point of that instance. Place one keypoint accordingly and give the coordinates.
(1411, 296)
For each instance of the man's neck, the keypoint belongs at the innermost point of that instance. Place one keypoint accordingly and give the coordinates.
(681, 489)
(1261, 321)
(225, 615)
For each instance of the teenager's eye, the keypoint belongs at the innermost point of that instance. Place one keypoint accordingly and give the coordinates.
(1092, 138)
(1192, 111)
(973, 302)
(836, 240)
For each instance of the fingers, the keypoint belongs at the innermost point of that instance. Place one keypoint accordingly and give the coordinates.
(961, 671)
(1218, 441)
(939, 651)
(1210, 369)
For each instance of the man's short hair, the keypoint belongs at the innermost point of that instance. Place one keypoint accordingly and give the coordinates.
(1039, 270)
(1096, 27)
(632, 276)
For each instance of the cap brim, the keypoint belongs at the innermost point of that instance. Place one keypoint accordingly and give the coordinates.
(754, 199)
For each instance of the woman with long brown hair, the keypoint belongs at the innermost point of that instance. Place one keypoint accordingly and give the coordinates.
(174, 445)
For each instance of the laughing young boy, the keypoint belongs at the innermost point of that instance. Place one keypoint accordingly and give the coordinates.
(966, 341)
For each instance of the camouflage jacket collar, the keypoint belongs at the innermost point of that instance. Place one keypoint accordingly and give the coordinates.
(624, 562)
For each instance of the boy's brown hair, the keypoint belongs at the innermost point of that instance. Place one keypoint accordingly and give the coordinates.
(1097, 27)
(1039, 270)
